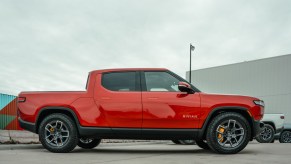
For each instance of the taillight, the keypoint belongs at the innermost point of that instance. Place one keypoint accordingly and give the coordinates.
(21, 99)
(282, 117)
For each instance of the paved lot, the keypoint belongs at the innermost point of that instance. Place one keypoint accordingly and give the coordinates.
(145, 152)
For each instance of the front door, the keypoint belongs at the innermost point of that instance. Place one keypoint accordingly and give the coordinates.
(164, 106)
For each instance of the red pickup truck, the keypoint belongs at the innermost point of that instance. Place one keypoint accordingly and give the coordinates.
(143, 103)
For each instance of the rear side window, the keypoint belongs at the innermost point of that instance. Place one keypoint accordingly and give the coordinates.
(120, 81)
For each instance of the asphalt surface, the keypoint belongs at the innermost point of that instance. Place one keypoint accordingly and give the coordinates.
(144, 152)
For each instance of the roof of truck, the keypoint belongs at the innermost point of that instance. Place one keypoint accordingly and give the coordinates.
(129, 69)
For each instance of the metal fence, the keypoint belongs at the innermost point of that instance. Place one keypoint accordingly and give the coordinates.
(8, 112)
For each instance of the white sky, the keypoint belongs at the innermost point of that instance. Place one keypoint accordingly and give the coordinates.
(52, 45)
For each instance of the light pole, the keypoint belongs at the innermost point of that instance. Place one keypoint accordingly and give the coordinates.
(192, 48)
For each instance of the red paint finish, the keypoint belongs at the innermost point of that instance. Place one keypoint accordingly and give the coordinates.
(170, 110)
(100, 107)
(120, 109)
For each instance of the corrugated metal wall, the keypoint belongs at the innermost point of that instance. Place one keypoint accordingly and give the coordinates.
(268, 79)
(8, 112)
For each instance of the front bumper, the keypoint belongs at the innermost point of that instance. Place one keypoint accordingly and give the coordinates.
(258, 127)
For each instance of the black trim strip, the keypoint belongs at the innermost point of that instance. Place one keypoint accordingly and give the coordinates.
(137, 133)
(27, 125)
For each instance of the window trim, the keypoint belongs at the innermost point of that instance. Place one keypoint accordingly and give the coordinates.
(137, 87)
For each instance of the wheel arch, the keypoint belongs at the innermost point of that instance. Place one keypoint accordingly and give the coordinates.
(216, 111)
(270, 123)
(51, 110)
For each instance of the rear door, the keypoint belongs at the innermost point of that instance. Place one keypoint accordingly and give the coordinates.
(118, 97)
(164, 106)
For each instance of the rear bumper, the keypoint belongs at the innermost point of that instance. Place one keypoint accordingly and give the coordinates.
(27, 125)
(257, 128)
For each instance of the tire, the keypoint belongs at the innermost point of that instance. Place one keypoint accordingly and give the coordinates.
(228, 133)
(268, 134)
(187, 142)
(58, 133)
(176, 142)
(88, 143)
(285, 137)
(202, 144)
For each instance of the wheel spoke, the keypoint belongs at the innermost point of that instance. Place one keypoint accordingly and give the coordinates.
(53, 139)
(235, 140)
(49, 136)
(232, 135)
(61, 124)
(65, 131)
(240, 134)
(229, 123)
(47, 129)
(230, 143)
(56, 133)
(223, 144)
(61, 142)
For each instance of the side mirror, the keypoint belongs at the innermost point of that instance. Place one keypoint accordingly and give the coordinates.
(185, 87)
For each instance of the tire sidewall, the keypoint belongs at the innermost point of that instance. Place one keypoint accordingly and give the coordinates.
(211, 137)
(73, 137)
(281, 139)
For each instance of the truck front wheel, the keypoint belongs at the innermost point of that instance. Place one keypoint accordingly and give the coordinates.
(58, 133)
(228, 133)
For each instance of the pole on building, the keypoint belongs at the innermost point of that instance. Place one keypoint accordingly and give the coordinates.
(192, 48)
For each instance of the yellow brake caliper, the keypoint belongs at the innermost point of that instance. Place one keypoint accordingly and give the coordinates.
(221, 130)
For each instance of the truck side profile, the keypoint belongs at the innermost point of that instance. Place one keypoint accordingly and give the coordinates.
(142, 103)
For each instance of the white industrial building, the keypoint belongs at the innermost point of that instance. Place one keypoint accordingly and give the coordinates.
(268, 79)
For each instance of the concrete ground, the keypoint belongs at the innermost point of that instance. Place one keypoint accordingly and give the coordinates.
(144, 152)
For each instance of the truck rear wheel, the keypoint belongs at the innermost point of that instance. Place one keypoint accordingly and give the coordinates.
(58, 134)
(228, 133)
(267, 135)
(88, 143)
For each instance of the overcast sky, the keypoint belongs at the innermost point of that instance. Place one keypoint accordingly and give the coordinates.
(52, 45)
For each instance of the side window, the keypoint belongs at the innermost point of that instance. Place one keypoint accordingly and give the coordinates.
(119, 81)
(161, 81)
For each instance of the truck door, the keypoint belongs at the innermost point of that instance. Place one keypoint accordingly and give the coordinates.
(118, 98)
(164, 106)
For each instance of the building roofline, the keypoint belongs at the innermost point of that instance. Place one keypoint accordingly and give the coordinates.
(267, 58)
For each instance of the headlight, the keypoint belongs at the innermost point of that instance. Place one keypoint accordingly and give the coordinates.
(259, 102)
